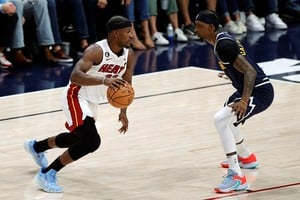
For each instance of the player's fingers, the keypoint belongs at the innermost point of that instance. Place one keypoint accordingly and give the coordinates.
(117, 83)
(123, 130)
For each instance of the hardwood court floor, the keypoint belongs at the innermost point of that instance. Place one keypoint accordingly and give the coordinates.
(171, 151)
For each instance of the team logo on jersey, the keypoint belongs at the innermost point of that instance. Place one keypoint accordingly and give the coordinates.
(112, 70)
(222, 66)
(241, 47)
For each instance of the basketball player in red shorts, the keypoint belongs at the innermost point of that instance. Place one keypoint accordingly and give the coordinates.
(108, 62)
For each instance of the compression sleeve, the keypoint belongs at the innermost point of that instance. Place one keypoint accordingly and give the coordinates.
(227, 50)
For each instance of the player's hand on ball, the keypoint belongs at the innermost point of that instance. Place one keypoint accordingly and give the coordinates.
(123, 119)
(114, 83)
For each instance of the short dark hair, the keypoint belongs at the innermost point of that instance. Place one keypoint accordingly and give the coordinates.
(117, 22)
(208, 17)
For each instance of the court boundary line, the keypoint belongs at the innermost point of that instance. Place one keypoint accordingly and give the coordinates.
(140, 97)
(254, 191)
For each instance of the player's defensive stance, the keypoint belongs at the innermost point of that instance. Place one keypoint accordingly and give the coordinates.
(254, 93)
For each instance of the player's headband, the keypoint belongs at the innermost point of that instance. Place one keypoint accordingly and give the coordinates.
(117, 22)
(208, 17)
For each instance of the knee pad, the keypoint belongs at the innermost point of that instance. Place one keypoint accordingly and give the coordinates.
(92, 143)
(89, 140)
(65, 140)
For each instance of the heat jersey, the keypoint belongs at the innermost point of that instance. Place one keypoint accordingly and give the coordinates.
(81, 101)
(111, 66)
(236, 77)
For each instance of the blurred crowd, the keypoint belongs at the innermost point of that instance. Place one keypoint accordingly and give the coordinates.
(50, 30)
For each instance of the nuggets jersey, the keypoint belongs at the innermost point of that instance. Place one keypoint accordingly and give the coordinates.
(262, 94)
(233, 74)
(81, 101)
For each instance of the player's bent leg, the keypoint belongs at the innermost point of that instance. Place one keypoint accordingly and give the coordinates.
(65, 140)
(39, 158)
(222, 120)
(89, 140)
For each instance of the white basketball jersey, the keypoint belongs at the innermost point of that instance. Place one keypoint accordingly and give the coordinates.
(111, 66)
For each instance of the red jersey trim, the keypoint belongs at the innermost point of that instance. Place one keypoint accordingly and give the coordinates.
(74, 107)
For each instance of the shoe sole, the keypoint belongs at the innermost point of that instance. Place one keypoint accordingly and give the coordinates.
(233, 188)
(228, 190)
(244, 166)
(242, 187)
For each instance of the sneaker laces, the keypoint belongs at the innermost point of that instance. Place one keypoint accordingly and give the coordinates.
(227, 178)
(52, 178)
(40, 155)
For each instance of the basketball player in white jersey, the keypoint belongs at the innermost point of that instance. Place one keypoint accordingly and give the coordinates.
(108, 62)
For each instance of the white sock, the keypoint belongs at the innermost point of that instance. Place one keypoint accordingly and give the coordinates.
(242, 149)
(234, 164)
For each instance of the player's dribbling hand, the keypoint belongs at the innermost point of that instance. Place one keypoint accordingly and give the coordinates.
(115, 83)
(123, 119)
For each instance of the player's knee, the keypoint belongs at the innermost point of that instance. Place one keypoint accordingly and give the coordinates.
(64, 140)
(223, 116)
(91, 136)
(93, 143)
(86, 145)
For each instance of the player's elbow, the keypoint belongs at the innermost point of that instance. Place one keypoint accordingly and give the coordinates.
(74, 78)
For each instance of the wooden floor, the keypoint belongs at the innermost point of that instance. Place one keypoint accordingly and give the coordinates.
(171, 151)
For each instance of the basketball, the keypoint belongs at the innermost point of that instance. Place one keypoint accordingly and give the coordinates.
(122, 97)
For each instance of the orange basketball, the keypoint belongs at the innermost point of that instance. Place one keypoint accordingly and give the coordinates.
(122, 97)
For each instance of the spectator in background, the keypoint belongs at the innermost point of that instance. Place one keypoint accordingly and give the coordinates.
(57, 49)
(142, 9)
(291, 9)
(38, 11)
(72, 12)
(227, 9)
(188, 25)
(17, 37)
(8, 20)
(117, 7)
(172, 11)
(267, 9)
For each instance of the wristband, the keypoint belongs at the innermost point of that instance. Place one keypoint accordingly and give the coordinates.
(243, 102)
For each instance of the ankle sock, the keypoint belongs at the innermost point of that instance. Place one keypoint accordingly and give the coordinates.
(56, 165)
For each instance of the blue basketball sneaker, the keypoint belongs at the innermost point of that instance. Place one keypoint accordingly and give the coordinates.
(48, 182)
(39, 158)
(232, 182)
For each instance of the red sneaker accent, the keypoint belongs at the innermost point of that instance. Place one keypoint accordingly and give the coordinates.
(250, 159)
(247, 163)
(243, 182)
(242, 179)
